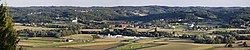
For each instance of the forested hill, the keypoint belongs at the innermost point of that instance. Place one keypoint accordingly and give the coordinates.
(141, 13)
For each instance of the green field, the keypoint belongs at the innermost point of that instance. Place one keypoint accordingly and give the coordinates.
(33, 43)
(134, 46)
(181, 26)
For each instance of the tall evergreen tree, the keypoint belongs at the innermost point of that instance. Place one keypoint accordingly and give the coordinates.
(8, 35)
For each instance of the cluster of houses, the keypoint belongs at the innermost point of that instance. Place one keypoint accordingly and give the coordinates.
(72, 40)
(120, 36)
(192, 26)
(138, 26)
(31, 24)
(66, 20)
(203, 28)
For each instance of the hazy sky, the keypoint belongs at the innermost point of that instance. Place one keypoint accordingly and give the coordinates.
(88, 3)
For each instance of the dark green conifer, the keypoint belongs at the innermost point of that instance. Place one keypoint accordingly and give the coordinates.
(8, 35)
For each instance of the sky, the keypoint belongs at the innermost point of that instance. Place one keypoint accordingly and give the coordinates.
(110, 3)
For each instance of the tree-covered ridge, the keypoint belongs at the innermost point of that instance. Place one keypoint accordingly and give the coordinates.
(8, 35)
(137, 13)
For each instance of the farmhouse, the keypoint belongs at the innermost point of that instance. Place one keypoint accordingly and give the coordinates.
(75, 20)
(67, 40)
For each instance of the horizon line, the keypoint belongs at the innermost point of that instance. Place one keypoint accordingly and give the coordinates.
(122, 6)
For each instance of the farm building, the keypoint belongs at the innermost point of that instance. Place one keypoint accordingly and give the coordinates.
(67, 40)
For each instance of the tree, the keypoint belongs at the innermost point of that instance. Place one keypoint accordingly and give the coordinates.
(217, 40)
(245, 44)
(229, 39)
(43, 33)
(199, 39)
(229, 45)
(58, 35)
(8, 35)
(234, 34)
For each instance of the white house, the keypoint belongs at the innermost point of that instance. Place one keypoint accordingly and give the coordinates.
(69, 40)
(75, 20)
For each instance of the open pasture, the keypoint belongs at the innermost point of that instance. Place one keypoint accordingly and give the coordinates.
(32, 28)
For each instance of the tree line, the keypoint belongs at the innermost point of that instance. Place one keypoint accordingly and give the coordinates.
(48, 33)
(218, 37)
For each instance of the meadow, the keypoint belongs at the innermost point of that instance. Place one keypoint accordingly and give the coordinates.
(41, 43)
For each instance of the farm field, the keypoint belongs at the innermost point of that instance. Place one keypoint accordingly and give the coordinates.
(232, 49)
(227, 29)
(40, 43)
(184, 44)
(235, 47)
(80, 36)
(136, 46)
(51, 49)
(99, 47)
(142, 43)
(32, 28)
